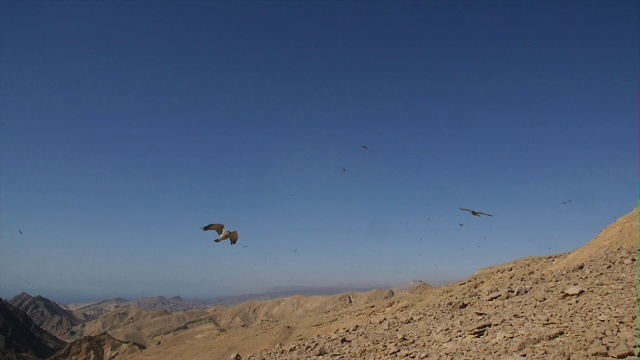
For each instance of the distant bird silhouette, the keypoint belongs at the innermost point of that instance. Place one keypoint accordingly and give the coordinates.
(365, 147)
(223, 233)
(566, 202)
(20, 231)
(461, 225)
(475, 213)
(344, 169)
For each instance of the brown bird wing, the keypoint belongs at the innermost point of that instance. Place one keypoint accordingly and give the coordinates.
(465, 209)
(219, 228)
(233, 236)
(481, 213)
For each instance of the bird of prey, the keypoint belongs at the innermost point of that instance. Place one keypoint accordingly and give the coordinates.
(566, 202)
(475, 213)
(365, 147)
(223, 233)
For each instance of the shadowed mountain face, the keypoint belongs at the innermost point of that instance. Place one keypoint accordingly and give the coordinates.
(21, 338)
(47, 314)
(98, 347)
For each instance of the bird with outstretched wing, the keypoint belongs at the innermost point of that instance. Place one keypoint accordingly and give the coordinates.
(223, 234)
(475, 213)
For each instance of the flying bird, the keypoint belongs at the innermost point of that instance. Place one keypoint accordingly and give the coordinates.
(461, 225)
(223, 234)
(20, 231)
(344, 169)
(365, 147)
(566, 202)
(475, 213)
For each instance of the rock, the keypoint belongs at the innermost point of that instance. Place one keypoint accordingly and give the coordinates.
(591, 335)
(322, 351)
(597, 349)
(378, 320)
(622, 350)
(403, 354)
(394, 349)
(493, 296)
(551, 334)
(539, 296)
(479, 330)
(441, 338)
(574, 291)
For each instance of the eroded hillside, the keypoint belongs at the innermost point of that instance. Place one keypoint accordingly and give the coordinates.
(571, 306)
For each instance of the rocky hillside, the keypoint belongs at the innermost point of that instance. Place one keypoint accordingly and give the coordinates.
(47, 314)
(581, 305)
(574, 306)
(21, 338)
(98, 347)
(93, 310)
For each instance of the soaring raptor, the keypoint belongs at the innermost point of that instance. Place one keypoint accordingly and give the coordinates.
(475, 213)
(223, 234)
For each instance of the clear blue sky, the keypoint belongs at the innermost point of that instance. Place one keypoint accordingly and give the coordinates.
(126, 126)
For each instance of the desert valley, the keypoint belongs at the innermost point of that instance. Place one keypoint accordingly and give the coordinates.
(579, 305)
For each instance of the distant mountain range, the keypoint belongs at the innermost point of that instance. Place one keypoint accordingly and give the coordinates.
(177, 303)
(38, 327)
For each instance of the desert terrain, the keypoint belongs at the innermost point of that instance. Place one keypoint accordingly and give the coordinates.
(579, 305)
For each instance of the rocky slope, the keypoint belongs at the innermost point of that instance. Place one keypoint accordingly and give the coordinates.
(47, 314)
(98, 347)
(21, 338)
(93, 310)
(574, 306)
(581, 305)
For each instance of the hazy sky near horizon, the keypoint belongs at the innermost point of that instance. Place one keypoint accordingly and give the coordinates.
(128, 125)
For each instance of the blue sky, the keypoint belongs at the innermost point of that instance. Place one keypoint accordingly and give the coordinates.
(128, 125)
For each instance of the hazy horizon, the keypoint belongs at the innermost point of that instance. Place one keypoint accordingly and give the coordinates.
(69, 298)
(128, 126)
